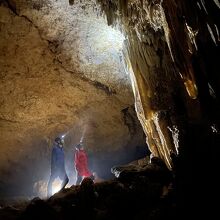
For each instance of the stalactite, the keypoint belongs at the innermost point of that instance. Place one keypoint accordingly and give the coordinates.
(217, 32)
(211, 33)
(203, 5)
(144, 66)
(192, 37)
(217, 3)
(148, 26)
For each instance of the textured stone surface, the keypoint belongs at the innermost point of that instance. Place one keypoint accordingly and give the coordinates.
(170, 51)
(58, 75)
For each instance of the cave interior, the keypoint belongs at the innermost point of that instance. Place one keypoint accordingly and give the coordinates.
(137, 81)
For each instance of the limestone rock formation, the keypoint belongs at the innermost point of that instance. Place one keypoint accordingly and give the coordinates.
(62, 72)
(171, 52)
(58, 76)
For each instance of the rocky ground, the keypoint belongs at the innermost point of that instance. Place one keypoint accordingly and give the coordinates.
(139, 192)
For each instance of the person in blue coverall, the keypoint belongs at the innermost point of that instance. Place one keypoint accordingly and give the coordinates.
(57, 166)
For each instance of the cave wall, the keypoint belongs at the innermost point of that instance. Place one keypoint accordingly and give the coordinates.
(172, 53)
(51, 85)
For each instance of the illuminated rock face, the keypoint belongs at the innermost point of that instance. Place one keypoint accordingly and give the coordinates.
(170, 51)
(59, 74)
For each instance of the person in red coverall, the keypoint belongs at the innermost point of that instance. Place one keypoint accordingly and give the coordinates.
(81, 164)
